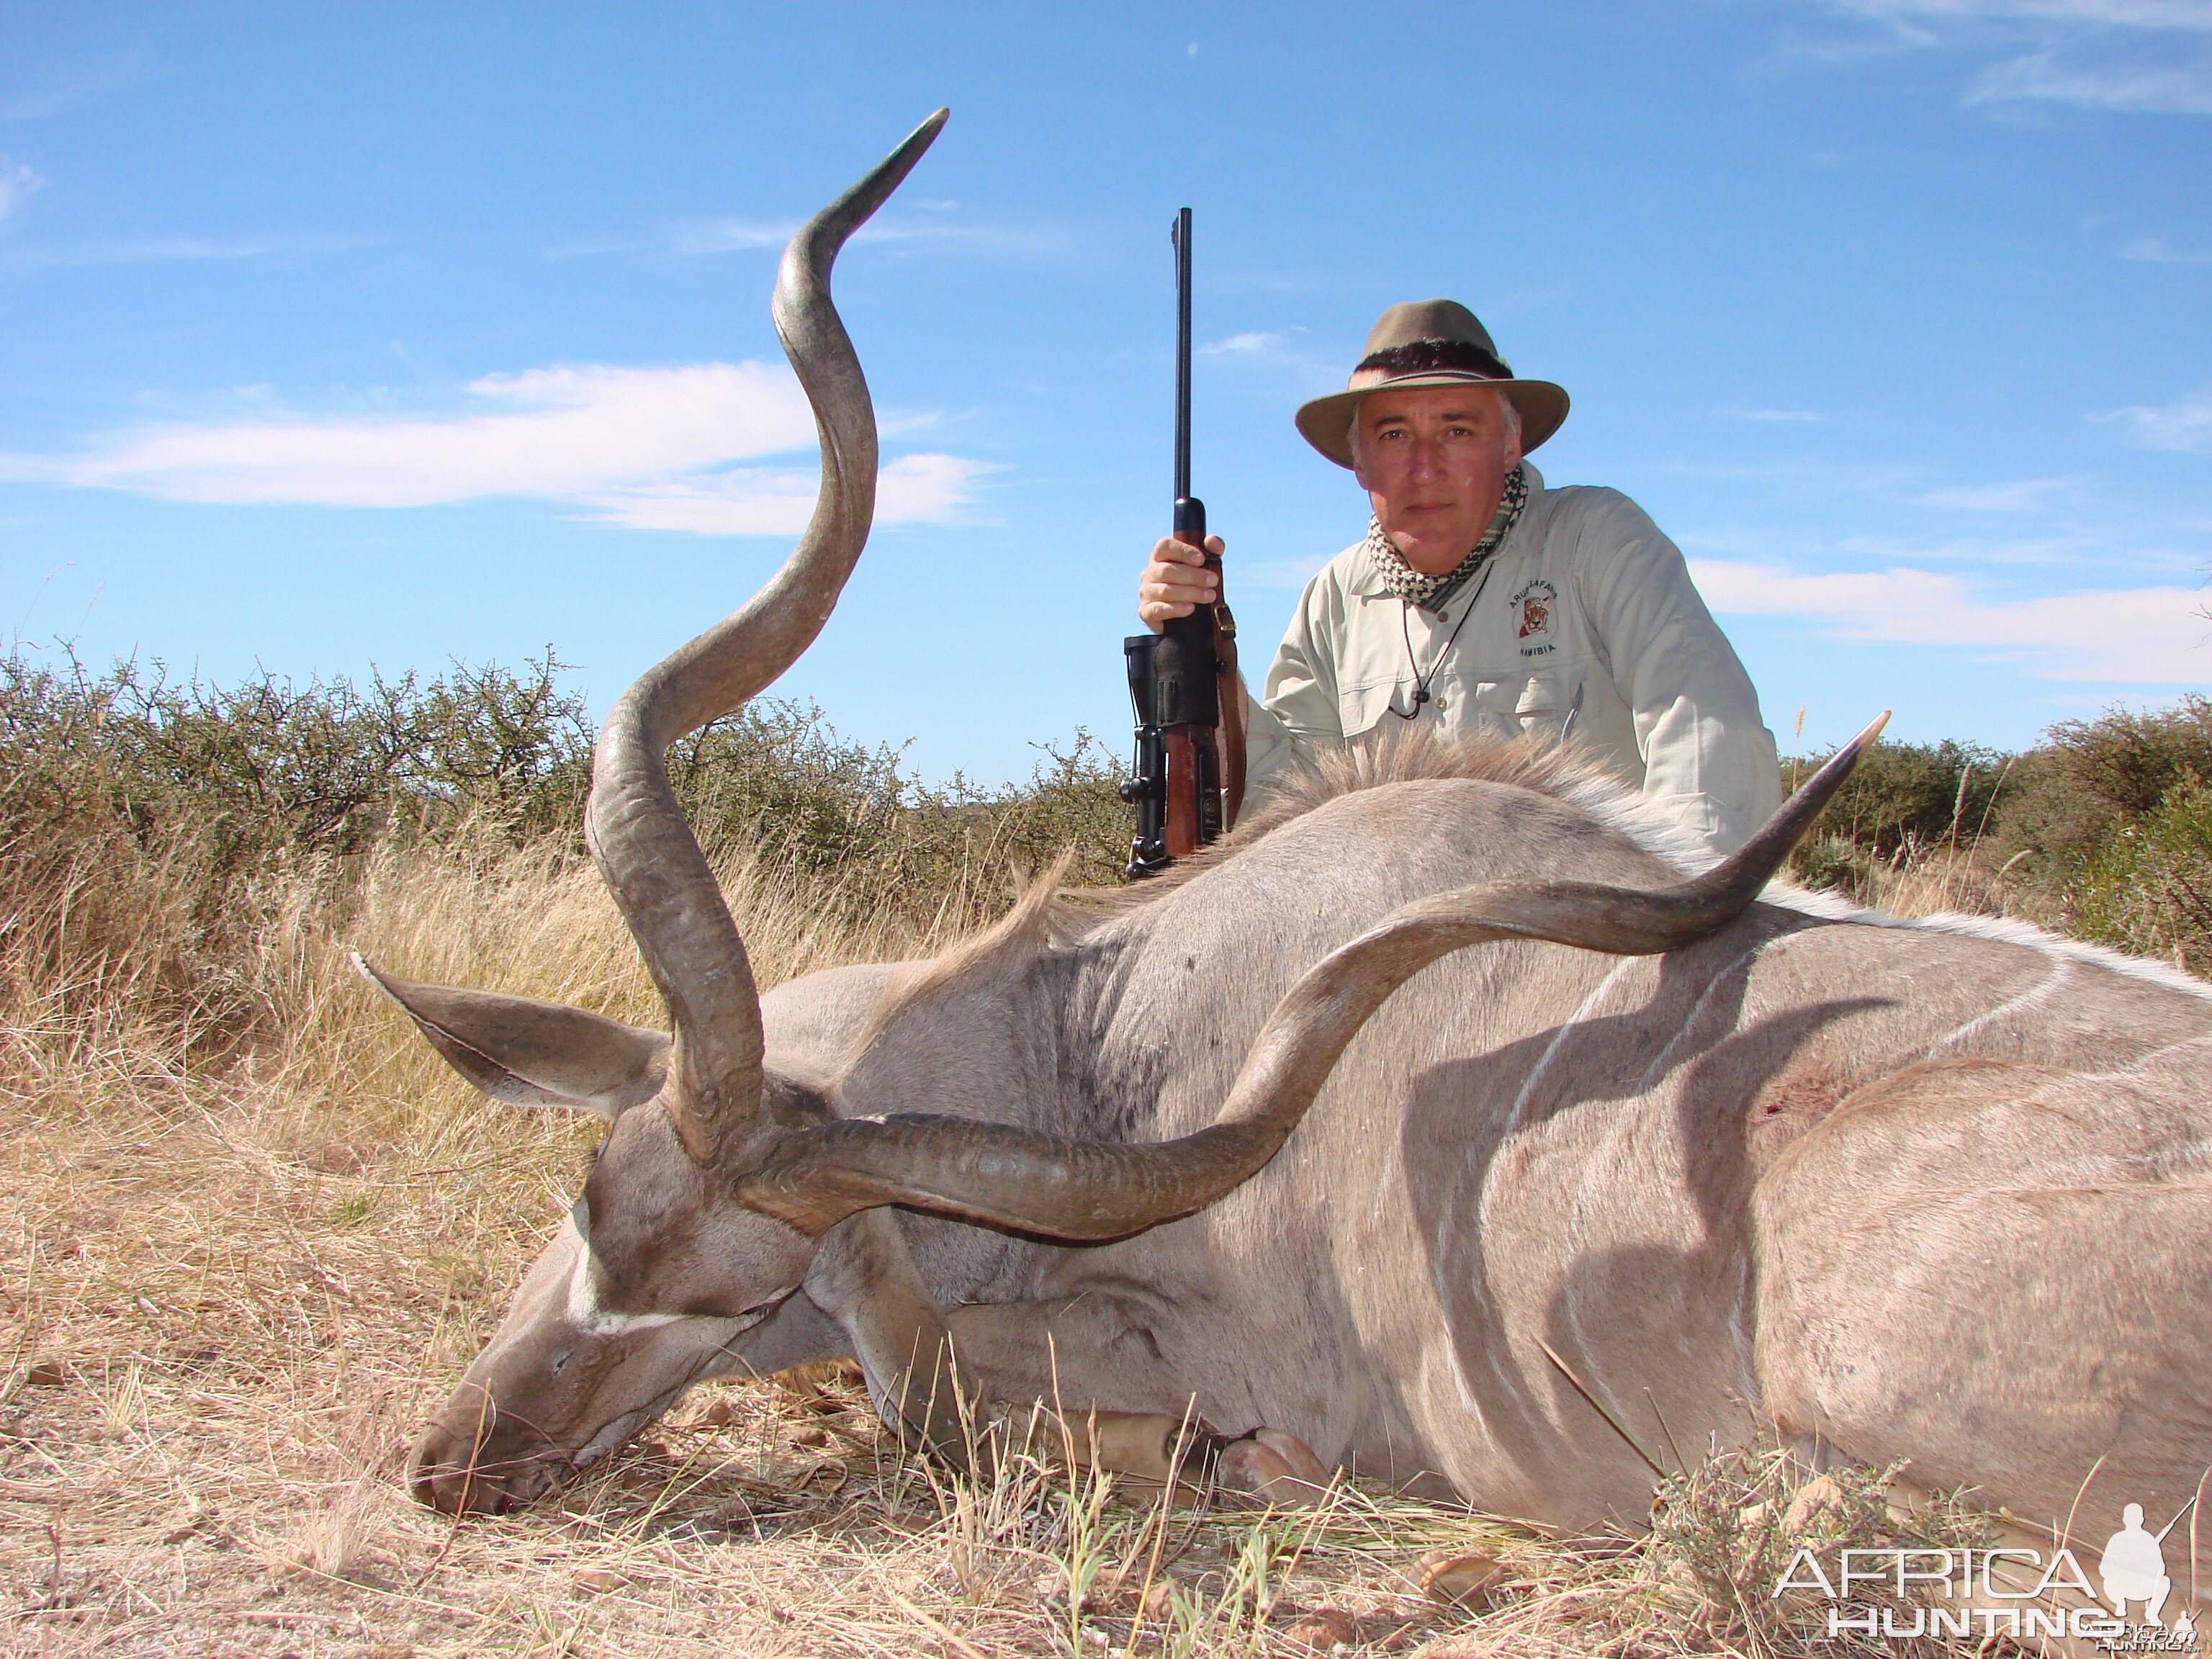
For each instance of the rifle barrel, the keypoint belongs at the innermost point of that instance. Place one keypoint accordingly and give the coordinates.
(1180, 234)
(2176, 1522)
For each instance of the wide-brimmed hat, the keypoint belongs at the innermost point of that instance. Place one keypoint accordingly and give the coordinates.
(1429, 343)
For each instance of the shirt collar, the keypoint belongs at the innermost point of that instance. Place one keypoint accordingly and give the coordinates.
(1365, 582)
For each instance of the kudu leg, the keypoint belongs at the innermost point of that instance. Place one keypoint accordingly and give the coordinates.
(1075, 1353)
(997, 1377)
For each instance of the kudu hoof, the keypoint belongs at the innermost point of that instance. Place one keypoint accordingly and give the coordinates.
(1272, 1467)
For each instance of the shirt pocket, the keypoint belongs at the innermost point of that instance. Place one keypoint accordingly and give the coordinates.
(1361, 709)
(1547, 701)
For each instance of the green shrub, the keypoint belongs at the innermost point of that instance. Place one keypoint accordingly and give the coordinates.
(2148, 889)
(158, 827)
(1905, 798)
(2133, 760)
(776, 778)
(1835, 864)
(2090, 777)
(119, 785)
(268, 766)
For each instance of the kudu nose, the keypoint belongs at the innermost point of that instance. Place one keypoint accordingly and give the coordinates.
(442, 1473)
(484, 1469)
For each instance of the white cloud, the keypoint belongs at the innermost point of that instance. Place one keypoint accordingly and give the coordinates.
(2129, 55)
(51, 91)
(732, 236)
(1245, 344)
(775, 502)
(2152, 89)
(2021, 495)
(2155, 252)
(747, 235)
(17, 182)
(2126, 14)
(2009, 554)
(2145, 635)
(2185, 425)
(150, 248)
(650, 448)
(1279, 572)
(131, 254)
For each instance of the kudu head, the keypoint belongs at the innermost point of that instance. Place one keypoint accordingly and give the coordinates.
(720, 1171)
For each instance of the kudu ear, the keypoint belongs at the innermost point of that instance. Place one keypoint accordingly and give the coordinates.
(528, 1053)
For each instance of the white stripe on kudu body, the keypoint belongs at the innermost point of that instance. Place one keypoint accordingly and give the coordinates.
(1551, 1049)
(1683, 1032)
(2062, 969)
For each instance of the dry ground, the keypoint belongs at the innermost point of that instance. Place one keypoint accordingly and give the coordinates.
(231, 1291)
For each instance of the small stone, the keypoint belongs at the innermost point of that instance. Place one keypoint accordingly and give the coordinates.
(656, 1448)
(1159, 1600)
(811, 1437)
(47, 1374)
(598, 1580)
(1320, 1631)
(718, 1413)
(1461, 1578)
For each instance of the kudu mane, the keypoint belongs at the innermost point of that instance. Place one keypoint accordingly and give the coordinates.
(1538, 764)
(1047, 915)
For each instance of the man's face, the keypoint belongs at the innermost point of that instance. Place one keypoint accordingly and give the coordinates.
(1433, 460)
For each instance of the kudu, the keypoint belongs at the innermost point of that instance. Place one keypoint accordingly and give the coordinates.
(1577, 1129)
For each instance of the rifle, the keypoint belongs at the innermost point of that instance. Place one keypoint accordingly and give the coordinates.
(1188, 780)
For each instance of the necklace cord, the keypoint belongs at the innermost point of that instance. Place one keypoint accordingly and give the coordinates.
(1422, 682)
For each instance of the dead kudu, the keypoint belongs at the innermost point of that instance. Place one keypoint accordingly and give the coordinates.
(1440, 1080)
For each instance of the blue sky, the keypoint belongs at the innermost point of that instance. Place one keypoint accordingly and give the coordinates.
(333, 336)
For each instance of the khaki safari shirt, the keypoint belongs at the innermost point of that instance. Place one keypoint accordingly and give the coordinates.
(1585, 623)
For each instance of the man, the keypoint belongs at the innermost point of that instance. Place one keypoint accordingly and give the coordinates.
(1480, 601)
(2134, 1567)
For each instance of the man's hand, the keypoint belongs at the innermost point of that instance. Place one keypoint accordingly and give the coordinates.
(1177, 582)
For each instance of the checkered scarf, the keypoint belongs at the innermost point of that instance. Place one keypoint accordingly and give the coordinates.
(1435, 592)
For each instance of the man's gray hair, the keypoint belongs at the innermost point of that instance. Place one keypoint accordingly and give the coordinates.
(1512, 416)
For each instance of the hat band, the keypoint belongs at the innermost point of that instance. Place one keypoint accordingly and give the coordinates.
(1460, 357)
(1369, 380)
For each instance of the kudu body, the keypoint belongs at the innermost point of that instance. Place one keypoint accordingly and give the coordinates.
(1917, 1193)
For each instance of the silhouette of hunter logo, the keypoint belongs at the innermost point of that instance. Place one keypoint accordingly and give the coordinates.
(2134, 1564)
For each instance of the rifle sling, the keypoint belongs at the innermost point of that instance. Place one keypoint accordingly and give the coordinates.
(1230, 742)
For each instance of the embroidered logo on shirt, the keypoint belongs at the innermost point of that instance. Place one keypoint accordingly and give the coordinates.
(1533, 602)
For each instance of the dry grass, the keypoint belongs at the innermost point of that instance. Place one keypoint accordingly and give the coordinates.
(239, 1274)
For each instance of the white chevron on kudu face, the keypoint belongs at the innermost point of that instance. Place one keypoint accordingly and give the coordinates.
(1445, 1073)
